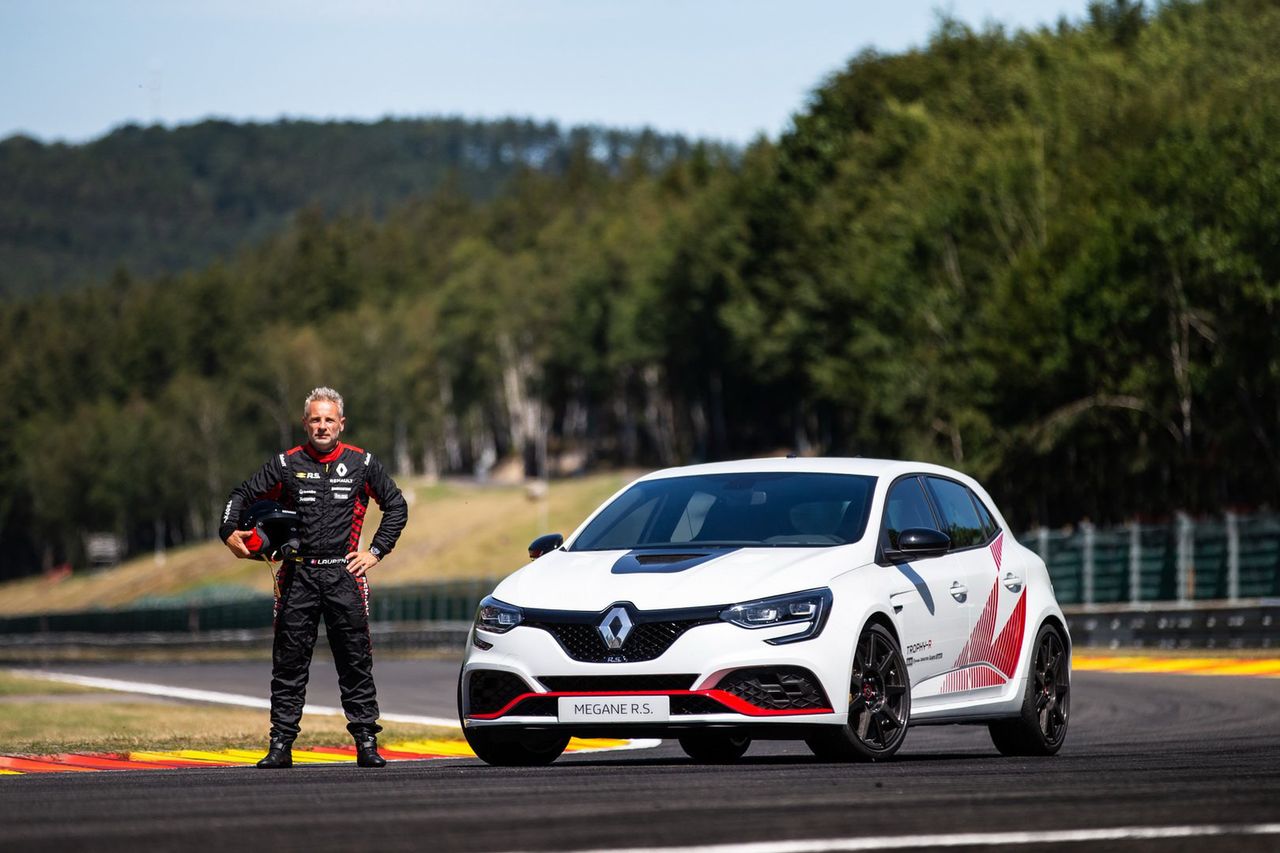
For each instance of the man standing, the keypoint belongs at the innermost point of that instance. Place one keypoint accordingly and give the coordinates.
(329, 483)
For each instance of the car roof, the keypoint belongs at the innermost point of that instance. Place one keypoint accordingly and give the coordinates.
(887, 468)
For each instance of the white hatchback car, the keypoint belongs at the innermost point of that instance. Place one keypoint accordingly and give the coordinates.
(837, 601)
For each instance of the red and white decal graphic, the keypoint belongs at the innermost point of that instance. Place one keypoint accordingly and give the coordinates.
(984, 662)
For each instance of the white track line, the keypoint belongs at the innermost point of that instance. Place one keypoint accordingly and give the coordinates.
(969, 839)
(220, 698)
(634, 743)
(214, 696)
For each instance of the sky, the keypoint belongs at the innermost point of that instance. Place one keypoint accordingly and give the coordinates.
(729, 70)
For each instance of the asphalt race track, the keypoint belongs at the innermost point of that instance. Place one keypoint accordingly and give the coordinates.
(1143, 751)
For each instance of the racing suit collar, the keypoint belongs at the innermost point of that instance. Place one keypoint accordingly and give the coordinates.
(324, 458)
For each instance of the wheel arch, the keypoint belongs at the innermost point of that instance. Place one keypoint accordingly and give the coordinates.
(1057, 622)
(844, 743)
(879, 617)
(871, 615)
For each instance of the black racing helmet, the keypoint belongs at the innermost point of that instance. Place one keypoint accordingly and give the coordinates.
(277, 532)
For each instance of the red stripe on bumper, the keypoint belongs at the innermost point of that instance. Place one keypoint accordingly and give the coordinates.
(734, 704)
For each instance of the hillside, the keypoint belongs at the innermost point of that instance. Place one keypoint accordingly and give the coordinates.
(455, 531)
(152, 200)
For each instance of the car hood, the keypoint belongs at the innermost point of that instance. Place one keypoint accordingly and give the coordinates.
(593, 580)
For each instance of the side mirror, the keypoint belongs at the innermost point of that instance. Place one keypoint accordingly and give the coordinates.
(922, 542)
(543, 544)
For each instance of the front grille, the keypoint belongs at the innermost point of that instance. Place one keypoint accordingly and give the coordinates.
(491, 689)
(648, 640)
(784, 688)
(602, 683)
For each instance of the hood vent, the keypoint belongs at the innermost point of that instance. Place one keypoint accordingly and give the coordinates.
(664, 561)
(659, 559)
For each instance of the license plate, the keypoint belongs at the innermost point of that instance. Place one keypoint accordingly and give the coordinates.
(614, 709)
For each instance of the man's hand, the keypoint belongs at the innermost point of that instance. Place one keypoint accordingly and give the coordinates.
(236, 543)
(359, 562)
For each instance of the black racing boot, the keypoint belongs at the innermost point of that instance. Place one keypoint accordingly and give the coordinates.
(279, 755)
(367, 750)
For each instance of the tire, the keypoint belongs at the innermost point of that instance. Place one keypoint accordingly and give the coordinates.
(1041, 727)
(714, 747)
(879, 703)
(511, 747)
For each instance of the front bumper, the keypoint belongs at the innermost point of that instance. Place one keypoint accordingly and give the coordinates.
(714, 675)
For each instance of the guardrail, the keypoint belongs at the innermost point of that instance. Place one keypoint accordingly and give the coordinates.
(1252, 625)
(387, 636)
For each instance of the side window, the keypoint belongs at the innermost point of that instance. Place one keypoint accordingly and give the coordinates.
(960, 519)
(989, 526)
(905, 508)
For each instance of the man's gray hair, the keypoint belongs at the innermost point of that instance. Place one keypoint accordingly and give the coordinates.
(321, 393)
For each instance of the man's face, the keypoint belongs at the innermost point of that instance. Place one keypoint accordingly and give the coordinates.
(323, 425)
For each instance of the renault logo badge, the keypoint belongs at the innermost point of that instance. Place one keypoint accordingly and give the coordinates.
(615, 628)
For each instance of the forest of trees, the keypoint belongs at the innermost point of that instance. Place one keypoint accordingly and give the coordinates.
(156, 201)
(1050, 259)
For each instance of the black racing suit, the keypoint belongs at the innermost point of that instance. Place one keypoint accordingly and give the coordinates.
(331, 493)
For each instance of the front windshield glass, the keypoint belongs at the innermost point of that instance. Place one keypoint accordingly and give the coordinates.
(734, 510)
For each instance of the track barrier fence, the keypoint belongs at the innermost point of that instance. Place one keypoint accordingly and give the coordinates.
(1228, 559)
(236, 610)
(1185, 583)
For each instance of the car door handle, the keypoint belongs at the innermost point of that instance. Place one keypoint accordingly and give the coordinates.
(959, 592)
(1012, 582)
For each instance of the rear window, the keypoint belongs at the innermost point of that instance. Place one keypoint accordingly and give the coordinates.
(803, 510)
(989, 526)
(959, 516)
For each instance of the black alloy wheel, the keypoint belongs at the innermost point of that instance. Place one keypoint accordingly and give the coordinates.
(1041, 727)
(714, 747)
(879, 703)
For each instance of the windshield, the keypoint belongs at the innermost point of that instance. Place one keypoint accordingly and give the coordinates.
(734, 510)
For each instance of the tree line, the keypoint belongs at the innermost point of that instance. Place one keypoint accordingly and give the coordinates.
(155, 200)
(1051, 259)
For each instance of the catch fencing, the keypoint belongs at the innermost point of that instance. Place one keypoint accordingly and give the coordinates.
(1232, 559)
(1184, 563)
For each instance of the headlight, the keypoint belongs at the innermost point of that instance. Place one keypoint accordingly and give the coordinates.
(496, 616)
(811, 606)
